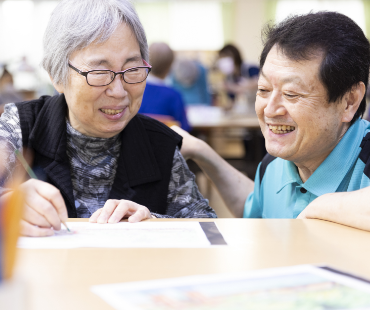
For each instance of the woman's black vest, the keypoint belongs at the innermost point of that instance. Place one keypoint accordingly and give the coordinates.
(144, 165)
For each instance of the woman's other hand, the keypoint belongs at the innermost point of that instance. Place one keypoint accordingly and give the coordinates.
(44, 209)
(115, 210)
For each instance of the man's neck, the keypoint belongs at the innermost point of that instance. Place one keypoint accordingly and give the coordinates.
(307, 168)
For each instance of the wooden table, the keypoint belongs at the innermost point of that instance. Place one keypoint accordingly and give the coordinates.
(61, 279)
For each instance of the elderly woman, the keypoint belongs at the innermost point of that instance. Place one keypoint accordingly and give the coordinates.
(97, 158)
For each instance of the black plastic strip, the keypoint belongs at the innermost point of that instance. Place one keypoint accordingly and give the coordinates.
(264, 163)
(213, 234)
(344, 273)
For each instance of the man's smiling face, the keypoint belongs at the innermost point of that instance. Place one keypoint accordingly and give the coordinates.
(292, 106)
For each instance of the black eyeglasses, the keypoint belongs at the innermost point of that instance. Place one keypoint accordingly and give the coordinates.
(105, 77)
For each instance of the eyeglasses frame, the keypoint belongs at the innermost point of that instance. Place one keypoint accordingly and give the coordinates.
(85, 73)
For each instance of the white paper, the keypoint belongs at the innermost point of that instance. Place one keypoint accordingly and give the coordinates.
(122, 235)
(297, 287)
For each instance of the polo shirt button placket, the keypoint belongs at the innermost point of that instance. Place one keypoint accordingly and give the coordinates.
(303, 190)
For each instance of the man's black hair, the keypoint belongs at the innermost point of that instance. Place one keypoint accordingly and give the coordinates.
(345, 49)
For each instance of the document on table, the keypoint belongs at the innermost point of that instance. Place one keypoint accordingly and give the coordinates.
(127, 235)
(297, 287)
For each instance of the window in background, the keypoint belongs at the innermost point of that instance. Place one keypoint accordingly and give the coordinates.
(352, 8)
(16, 28)
(196, 25)
(22, 26)
(184, 25)
(156, 21)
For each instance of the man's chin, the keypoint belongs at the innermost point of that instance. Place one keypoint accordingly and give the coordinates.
(278, 152)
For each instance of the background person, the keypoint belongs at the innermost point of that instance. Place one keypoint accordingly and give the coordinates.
(310, 99)
(159, 99)
(189, 77)
(97, 157)
(241, 77)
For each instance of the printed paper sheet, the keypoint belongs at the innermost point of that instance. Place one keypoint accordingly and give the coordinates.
(122, 235)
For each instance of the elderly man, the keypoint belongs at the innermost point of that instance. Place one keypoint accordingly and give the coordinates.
(311, 95)
(97, 158)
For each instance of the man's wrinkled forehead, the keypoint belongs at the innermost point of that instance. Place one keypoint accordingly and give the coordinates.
(291, 78)
(291, 70)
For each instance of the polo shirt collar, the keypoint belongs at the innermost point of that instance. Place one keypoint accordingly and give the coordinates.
(290, 175)
(330, 174)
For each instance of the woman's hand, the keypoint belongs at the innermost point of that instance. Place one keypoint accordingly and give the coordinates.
(44, 209)
(115, 210)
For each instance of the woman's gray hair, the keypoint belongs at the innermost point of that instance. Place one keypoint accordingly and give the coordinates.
(75, 24)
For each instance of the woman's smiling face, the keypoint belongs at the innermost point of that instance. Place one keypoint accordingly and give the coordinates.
(291, 95)
(104, 111)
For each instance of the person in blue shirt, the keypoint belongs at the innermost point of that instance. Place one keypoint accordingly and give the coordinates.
(189, 77)
(310, 100)
(159, 99)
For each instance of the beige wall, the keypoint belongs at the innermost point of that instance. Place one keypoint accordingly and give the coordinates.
(249, 19)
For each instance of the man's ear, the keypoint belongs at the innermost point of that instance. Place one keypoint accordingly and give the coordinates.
(352, 100)
(58, 87)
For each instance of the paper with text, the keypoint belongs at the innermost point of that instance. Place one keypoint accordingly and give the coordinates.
(122, 235)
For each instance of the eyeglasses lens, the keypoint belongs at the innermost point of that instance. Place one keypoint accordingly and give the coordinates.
(132, 76)
(97, 78)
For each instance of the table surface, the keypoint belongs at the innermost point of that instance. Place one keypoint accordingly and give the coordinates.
(61, 279)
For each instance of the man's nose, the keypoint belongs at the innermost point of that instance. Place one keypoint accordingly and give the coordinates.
(117, 87)
(275, 105)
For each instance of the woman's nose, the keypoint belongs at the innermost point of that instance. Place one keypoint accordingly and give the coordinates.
(117, 87)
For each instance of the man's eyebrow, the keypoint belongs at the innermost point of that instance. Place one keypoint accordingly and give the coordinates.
(294, 78)
(288, 79)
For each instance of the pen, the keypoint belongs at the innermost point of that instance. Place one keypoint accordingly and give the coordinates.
(31, 174)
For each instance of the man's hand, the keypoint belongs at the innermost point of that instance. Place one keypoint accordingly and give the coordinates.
(190, 144)
(233, 186)
(44, 209)
(347, 208)
(115, 210)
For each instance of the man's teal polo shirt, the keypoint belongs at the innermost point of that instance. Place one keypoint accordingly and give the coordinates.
(282, 194)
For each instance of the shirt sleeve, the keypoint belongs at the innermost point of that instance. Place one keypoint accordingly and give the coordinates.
(252, 207)
(184, 199)
(10, 140)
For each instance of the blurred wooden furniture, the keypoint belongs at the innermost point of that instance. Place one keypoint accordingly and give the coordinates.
(165, 119)
(226, 134)
(61, 279)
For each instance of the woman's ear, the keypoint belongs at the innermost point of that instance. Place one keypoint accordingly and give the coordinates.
(352, 101)
(58, 87)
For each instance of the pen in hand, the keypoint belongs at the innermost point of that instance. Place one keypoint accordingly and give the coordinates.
(31, 174)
